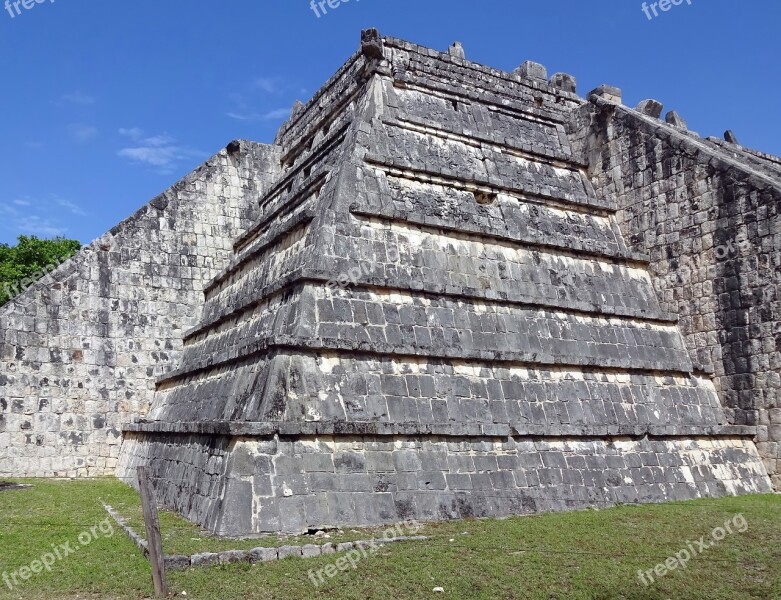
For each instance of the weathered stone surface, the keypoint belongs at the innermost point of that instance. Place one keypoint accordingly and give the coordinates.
(205, 560)
(439, 478)
(608, 93)
(328, 548)
(443, 300)
(708, 213)
(371, 44)
(565, 82)
(310, 550)
(233, 556)
(80, 350)
(288, 551)
(263, 555)
(676, 120)
(533, 70)
(476, 301)
(457, 50)
(177, 563)
(650, 107)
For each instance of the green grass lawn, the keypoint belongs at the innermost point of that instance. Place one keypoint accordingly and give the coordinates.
(583, 555)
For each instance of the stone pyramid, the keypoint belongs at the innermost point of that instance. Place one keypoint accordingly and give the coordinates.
(434, 317)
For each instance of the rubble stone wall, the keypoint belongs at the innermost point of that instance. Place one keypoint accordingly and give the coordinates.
(709, 214)
(80, 351)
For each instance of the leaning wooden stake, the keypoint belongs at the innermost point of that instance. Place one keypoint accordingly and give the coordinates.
(152, 522)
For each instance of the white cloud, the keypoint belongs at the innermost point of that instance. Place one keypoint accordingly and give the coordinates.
(159, 140)
(151, 155)
(7, 209)
(266, 84)
(242, 117)
(162, 152)
(82, 132)
(134, 133)
(272, 115)
(47, 216)
(39, 226)
(278, 113)
(248, 104)
(71, 206)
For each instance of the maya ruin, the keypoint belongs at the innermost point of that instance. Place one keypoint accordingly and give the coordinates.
(444, 291)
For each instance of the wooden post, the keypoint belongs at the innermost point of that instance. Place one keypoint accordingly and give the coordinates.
(155, 542)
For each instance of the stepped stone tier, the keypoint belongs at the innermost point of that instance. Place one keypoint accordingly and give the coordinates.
(443, 291)
(434, 316)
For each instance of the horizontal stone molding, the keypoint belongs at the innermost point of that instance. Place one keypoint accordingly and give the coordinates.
(628, 257)
(467, 65)
(458, 430)
(406, 169)
(415, 80)
(267, 345)
(528, 151)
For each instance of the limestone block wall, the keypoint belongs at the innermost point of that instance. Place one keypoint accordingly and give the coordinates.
(80, 351)
(303, 480)
(496, 349)
(709, 214)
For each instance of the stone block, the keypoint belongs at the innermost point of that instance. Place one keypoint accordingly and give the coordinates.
(607, 92)
(258, 555)
(674, 119)
(564, 82)
(457, 50)
(208, 559)
(650, 107)
(532, 70)
(233, 556)
(289, 551)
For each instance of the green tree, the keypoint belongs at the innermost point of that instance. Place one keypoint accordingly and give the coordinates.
(30, 260)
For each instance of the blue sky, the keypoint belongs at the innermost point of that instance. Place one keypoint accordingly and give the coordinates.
(105, 104)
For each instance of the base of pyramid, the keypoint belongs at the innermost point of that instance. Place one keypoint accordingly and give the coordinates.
(251, 478)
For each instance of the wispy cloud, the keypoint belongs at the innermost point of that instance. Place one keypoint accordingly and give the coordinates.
(278, 113)
(24, 216)
(76, 97)
(134, 133)
(7, 209)
(161, 152)
(39, 226)
(267, 84)
(250, 102)
(272, 115)
(72, 207)
(82, 132)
